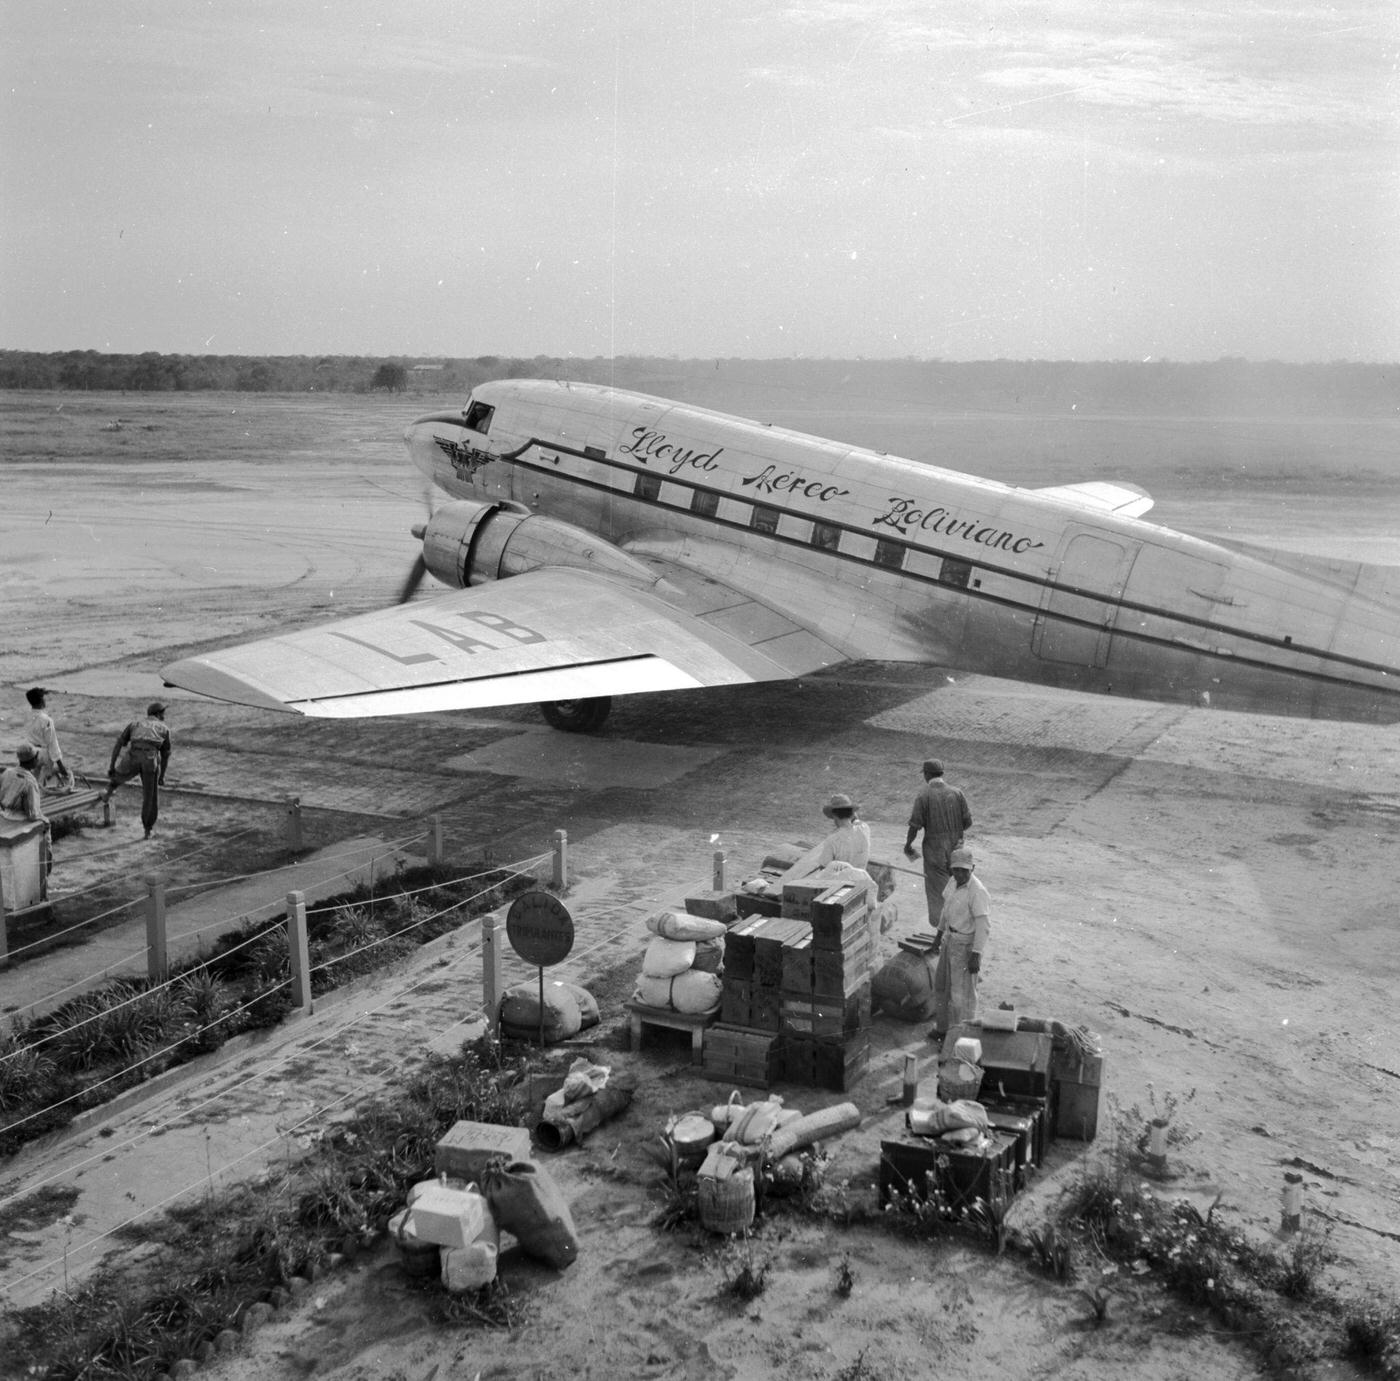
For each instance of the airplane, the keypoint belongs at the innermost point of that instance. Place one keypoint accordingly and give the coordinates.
(603, 542)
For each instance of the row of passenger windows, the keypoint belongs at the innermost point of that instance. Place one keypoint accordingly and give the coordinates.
(825, 536)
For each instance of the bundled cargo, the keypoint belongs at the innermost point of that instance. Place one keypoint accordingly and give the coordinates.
(682, 964)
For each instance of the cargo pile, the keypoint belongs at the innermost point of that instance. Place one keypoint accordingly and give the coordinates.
(485, 1184)
(795, 992)
(1003, 1096)
(681, 966)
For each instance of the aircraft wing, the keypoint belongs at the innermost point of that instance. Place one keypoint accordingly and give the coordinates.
(556, 633)
(1102, 496)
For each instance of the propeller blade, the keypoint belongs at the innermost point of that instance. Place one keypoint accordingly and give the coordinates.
(415, 579)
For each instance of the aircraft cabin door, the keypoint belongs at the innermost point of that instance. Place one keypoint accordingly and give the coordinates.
(1076, 617)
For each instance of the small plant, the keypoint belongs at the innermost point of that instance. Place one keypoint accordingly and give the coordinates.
(1053, 1249)
(855, 1370)
(1097, 1297)
(677, 1184)
(1308, 1257)
(25, 1070)
(745, 1275)
(989, 1215)
(1373, 1338)
(845, 1276)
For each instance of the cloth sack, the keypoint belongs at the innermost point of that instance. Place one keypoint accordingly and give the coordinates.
(520, 1011)
(692, 991)
(680, 925)
(709, 956)
(527, 1203)
(666, 957)
(903, 987)
(932, 1117)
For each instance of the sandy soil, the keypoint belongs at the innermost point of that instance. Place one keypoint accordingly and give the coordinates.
(1213, 894)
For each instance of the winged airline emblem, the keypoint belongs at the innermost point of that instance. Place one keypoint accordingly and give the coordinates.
(466, 460)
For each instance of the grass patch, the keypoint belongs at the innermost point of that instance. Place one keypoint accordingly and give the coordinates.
(243, 1245)
(128, 1030)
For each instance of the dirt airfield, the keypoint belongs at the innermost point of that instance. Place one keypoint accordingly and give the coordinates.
(1215, 895)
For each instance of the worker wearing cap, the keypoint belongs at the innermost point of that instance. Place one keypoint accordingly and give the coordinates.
(960, 942)
(20, 797)
(941, 812)
(142, 749)
(39, 730)
(848, 842)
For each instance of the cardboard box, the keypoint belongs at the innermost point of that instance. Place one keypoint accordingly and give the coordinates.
(798, 896)
(446, 1216)
(465, 1147)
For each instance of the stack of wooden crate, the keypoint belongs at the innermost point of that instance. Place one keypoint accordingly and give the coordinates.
(795, 1002)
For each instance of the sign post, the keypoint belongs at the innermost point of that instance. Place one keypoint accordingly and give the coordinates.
(541, 932)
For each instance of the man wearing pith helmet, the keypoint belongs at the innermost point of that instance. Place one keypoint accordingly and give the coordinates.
(961, 941)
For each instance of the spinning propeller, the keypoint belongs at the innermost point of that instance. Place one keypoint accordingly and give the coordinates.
(420, 566)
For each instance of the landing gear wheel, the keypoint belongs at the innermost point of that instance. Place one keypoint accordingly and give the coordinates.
(577, 716)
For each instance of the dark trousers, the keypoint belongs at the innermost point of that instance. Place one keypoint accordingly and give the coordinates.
(148, 769)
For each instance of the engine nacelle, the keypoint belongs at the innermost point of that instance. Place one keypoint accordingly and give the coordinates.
(469, 543)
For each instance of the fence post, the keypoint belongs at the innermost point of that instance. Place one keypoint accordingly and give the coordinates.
(4, 933)
(561, 858)
(294, 824)
(491, 974)
(298, 952)
(717, 881)
(435, 849)
(157, 967)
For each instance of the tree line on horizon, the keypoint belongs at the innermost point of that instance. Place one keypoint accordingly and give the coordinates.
(1223, 385)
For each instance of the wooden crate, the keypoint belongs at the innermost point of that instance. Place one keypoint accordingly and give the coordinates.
(756, 904)
(735, 1001)
(804, 1014)
(797, 966)
(466, 1147)
(826, 1061)
(741, 1055)
(1077, 1110)
(916, 1165)
(713, 906)
(836, 913)
(1023, 1126)
(739, 948)
(1040, 1110)
(837, 974)
(768, 947)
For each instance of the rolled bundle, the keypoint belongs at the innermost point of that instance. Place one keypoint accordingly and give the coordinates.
(832, 1121)
(680, 925)
(563, 1123)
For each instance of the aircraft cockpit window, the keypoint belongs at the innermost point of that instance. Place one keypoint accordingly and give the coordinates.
(478, 417)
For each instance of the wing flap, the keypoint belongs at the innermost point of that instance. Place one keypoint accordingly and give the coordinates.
(549, 634)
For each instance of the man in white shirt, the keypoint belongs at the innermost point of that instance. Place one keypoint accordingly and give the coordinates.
(961, 940)
(39, 730)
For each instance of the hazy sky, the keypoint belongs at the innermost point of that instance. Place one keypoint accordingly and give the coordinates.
(1061, 179)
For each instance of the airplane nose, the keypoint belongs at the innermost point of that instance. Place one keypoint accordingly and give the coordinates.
(421, 439)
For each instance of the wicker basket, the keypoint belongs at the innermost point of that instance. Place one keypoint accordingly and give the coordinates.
(727, 1205)
(951, 1088)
